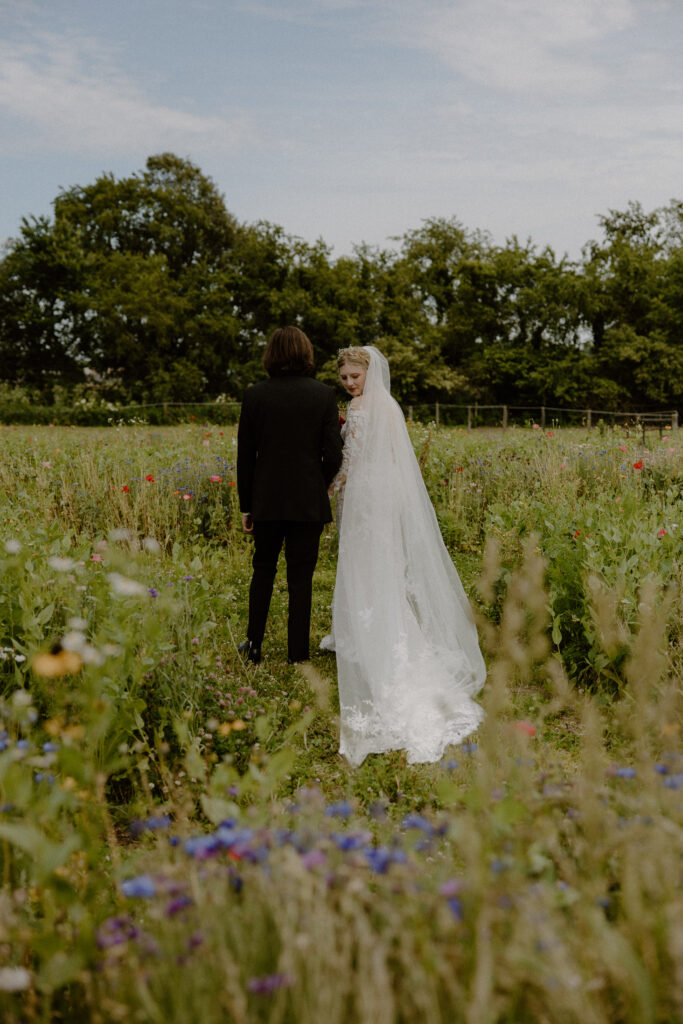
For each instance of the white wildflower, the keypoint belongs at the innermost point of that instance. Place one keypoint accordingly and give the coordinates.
(77, 623)
(152, 545)
(73, 641)
(120, 534)
(12, 547)
(21, 699)
(20, 657)
(111, 650)
(125, 586)
(60, 564)
(14, 979)
(90, 655)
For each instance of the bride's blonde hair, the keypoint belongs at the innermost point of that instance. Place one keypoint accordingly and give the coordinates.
(353, 354)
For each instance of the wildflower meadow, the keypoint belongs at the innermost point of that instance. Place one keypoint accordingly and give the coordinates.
(179, 838)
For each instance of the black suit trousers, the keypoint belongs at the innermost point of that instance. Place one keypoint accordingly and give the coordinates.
(301, 541)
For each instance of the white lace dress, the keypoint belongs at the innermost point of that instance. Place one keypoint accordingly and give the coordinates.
(408, 657)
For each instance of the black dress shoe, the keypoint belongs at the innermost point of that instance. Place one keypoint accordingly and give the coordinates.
(253, 654)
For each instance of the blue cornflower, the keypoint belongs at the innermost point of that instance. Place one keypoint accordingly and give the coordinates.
(150, 824)
(153, 592)
(379, 858)
(625, 773)
(140, 886)
(419, 822)
(348, 840)
(201, 847)
(455, 907)
(469, 748)
(341, 809)
(674, 781)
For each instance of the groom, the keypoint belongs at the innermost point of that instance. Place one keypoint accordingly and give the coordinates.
(288, 451)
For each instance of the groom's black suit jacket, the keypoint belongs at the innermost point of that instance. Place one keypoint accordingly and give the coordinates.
(288, 450)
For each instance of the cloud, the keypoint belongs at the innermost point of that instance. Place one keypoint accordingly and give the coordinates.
(66, 94)
(524, 46)
(545, 48)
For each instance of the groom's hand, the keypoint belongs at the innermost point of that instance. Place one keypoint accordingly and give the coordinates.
(247, 523)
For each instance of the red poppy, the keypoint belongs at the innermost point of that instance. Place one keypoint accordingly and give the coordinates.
(126, 489)
(525, 727)
(232, 483)
(638, 465)
(577, 533)
(458, 469)
(150, 478)
(662, 532)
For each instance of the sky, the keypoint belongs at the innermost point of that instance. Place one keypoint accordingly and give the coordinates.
(353, 121)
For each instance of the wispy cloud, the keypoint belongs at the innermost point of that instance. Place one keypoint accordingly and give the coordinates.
(523, 46)
(67, 94)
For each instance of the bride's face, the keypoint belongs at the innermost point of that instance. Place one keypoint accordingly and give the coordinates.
(352, 377)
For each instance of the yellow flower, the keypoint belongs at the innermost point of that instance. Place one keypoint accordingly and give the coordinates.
(56, 662)
(225, 728)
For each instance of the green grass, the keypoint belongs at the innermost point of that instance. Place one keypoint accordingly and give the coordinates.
(541, 880)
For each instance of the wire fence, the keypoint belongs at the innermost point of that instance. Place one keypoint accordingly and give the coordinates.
(542, 416)
(442, 414)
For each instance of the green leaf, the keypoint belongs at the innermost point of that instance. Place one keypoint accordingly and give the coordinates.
(217, 809)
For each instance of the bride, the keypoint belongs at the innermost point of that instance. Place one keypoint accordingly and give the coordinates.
(407, 651)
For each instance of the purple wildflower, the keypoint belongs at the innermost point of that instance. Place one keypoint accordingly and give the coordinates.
(177, 904)
(313, 859)
(269, 983)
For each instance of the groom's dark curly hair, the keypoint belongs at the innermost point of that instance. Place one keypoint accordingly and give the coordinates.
(288, 352)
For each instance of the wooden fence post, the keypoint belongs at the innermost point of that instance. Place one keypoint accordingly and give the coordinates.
(469, 417)
(543, 417)
(589, 418)
(674, 420)
(436, 413)
(410, 413)
(505, 417)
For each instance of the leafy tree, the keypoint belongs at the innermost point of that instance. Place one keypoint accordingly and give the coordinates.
(132, 277)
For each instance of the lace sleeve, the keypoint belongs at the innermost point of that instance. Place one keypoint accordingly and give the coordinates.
(351, 433)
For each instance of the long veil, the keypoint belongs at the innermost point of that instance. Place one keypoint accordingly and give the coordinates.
(408, 656)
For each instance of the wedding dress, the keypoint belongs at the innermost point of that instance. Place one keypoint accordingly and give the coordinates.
(408, 656)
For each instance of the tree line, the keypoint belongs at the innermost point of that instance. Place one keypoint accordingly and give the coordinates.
(146, 288)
